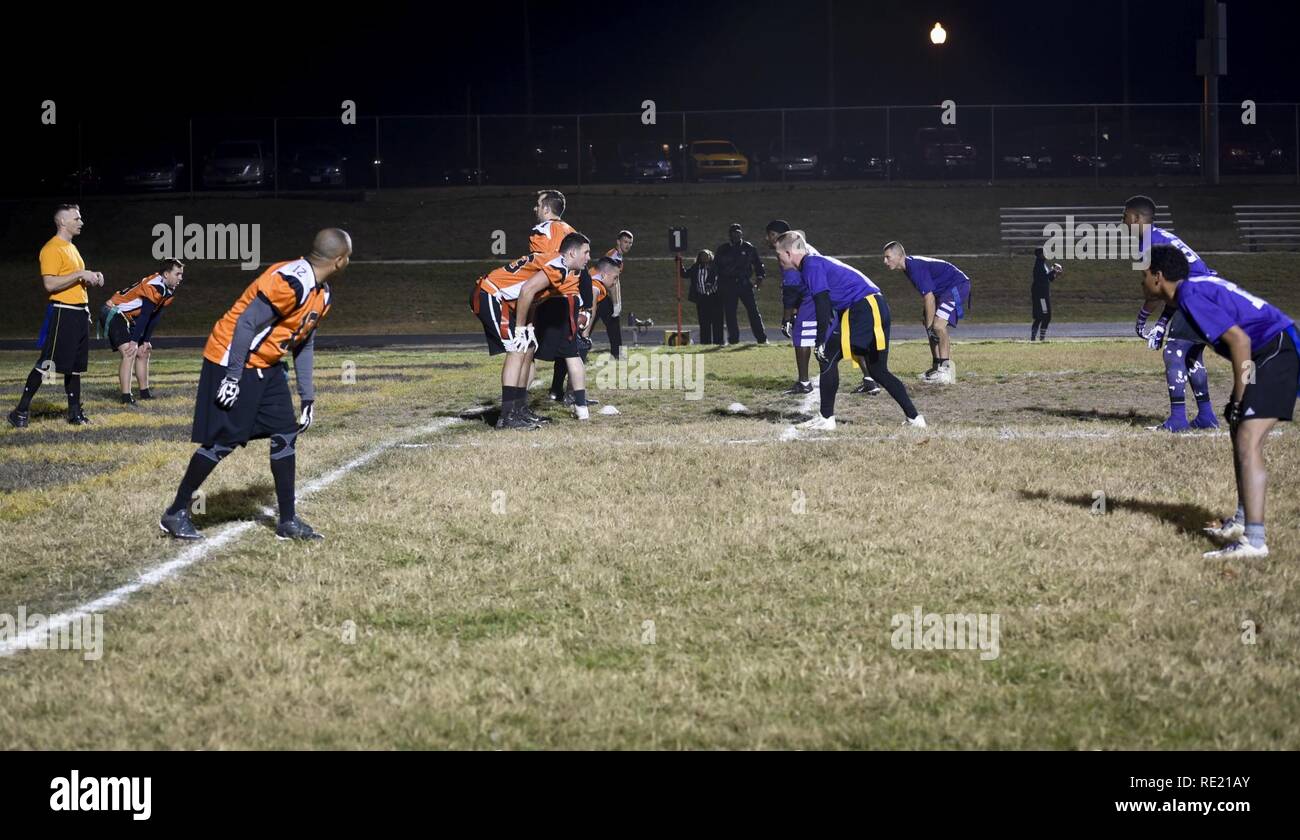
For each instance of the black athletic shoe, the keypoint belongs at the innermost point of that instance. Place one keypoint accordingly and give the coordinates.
(78, 418)
(532, 416)
(296, 529)
(515, 421)
(146, 394)
(127, 399)
(869, 387)
(555, 397)
(798, 388)
(179, 525)
(18, 419)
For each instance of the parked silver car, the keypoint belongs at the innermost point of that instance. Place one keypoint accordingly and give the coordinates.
(238, 163)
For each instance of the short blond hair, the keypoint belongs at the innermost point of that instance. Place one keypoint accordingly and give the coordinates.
(792, 240)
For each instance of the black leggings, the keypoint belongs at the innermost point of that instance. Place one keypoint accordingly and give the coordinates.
(877, 369)
(1040, 326)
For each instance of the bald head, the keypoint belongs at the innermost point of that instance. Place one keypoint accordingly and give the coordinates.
(330, 244)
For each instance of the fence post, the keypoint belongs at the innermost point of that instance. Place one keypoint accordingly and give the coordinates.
(993, 144)
(783, 157)
(80, 174)
(685, 151)
(378, 160)
(275, 154)
(889, 156)
(191, 141)
(578, 120)
(478, 147)
(1096, 148)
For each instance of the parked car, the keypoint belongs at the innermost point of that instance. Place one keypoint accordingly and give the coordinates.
(1245, 148)
(855, 159)
(554, 156)
(790, 159)
(1164, 154)
(716, 159)
(239, 163)
(941, 152)
(317, 166)
(1026, 154)
(158, 170)
(645, 161)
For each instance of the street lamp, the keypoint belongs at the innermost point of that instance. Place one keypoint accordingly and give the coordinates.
(938, 35)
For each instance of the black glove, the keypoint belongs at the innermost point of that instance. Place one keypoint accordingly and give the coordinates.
(1232, 412)
(820, 352)
(584, 344)
(787, 328)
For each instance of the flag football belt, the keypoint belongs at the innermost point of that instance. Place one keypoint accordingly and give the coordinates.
(106, 315)
(846, 344)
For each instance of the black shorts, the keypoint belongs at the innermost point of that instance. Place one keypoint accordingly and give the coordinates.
(497, 319)
(556, 326)
(1277, 368)
(67, 338)
(118, 329)
(264, 406)
(868, 322)
(1180, 330)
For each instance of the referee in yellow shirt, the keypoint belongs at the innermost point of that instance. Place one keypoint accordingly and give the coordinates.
(65, 335)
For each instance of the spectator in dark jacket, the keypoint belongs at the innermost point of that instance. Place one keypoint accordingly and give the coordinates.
(738, 261)
(703, 291)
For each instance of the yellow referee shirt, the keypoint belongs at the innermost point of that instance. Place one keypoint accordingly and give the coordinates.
(60, 257)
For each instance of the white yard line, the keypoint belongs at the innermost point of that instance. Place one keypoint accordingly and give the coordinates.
(197, 551)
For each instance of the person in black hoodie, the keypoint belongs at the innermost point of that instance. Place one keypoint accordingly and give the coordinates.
(703, 291)
(1040, 293)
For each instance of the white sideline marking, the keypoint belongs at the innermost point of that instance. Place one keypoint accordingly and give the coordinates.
(197, 551)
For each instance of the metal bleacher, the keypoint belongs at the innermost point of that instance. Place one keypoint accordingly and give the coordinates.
(1022, 227)
(1268, 226)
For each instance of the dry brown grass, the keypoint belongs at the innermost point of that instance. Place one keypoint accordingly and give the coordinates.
(526, 628)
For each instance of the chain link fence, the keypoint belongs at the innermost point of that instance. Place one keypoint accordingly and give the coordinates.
(987, 143)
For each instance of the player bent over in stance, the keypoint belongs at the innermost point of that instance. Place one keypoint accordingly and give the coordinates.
(799, 321)
(244, 385)
(1260, 340)
(945, 291)
(496, 302)
(852, 317)
(605, 273)
(1183, 350)
(129, 319)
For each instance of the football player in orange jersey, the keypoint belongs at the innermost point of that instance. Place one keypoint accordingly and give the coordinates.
(550, 230)
(243, 390)
(559, 306)
(129, 318)
(496, 303)
(604, 274)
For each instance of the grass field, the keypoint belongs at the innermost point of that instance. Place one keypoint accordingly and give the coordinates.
(672, 576)
(459, 224)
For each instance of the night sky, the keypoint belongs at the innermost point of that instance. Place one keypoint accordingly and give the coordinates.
(599, 57)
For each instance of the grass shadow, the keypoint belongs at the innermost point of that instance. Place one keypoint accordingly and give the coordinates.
(1186, 517)
(1130, 417)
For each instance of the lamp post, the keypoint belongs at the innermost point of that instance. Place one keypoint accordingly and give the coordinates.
(939, 37)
